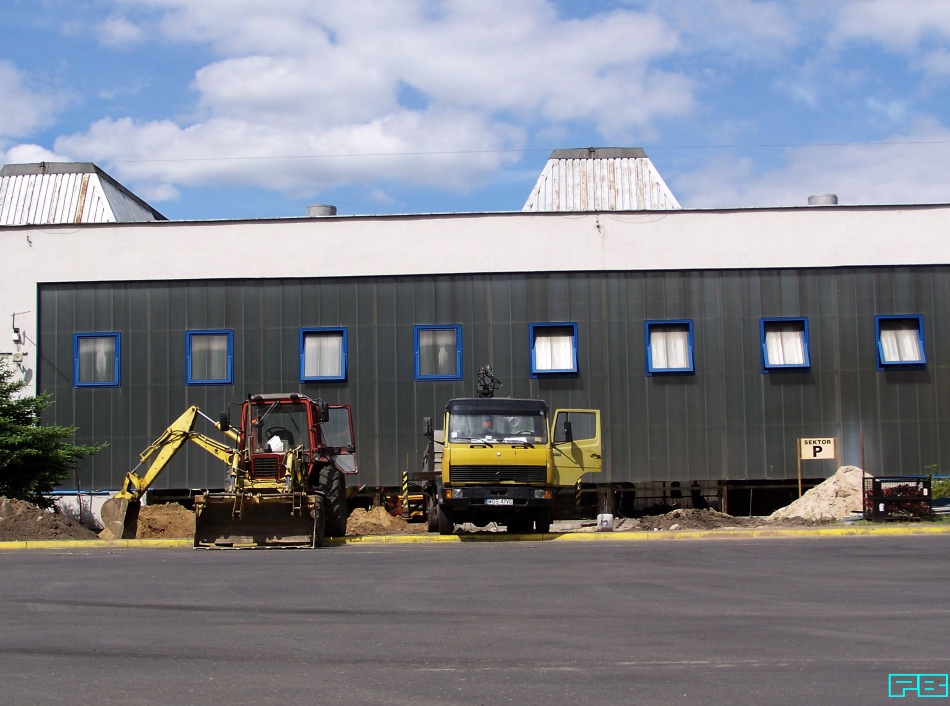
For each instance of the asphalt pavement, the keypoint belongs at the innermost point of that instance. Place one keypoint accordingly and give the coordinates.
(740, 620)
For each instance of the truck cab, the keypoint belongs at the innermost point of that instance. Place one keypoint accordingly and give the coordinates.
(503, 459)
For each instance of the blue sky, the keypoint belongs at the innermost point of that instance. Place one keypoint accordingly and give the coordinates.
(257, 108)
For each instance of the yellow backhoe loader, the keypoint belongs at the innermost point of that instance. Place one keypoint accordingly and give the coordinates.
(285, 482)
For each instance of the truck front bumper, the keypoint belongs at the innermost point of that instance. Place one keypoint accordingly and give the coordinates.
(496, 497)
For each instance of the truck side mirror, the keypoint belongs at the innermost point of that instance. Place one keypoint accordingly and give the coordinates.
(568, 431)
(224, 421)
(323, 412)
(427, 427)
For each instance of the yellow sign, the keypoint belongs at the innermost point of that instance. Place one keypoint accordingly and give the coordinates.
(820, 449)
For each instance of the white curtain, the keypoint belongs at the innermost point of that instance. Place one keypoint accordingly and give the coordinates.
(209, 357)
(900, 342)
(323, 355)
(669, 348)
(553, 349)
(97, 359)
(785, 345)
(437, 352)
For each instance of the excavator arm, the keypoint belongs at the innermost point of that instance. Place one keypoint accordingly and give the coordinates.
(120, 512)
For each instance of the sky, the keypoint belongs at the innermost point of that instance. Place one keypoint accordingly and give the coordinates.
(228, 109)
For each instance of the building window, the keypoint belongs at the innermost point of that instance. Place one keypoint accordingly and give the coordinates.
(209, 357)
(438, 352)
(553, 348)
(96, 359)
(322, 354)
(669, 346)
(900, 341)
(784, 344)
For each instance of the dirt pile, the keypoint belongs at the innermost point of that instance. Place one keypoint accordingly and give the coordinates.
(833, 499)
(22, 521)
(378, 521)
(691, 519)
(166, 521)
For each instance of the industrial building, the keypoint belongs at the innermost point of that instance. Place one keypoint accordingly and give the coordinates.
(713, 341)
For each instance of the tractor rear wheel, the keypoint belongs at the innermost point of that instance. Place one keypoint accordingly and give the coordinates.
(334, 487)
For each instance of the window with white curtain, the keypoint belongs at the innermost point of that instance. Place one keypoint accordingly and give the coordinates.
(784, 344)
(96, 359)
(209, 357)
(669, 346)
(553, 348)
(900, 340)
(322, 354)
(438, 352)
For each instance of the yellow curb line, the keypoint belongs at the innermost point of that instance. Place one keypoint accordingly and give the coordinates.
(504, 537)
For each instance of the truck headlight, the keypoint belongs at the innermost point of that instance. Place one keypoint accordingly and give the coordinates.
(453, 493)
(542, 494)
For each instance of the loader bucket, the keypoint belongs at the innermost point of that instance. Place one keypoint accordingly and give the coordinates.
(222, 520)
(121, 517)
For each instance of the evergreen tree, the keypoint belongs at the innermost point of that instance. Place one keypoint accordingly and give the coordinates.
(34, 458)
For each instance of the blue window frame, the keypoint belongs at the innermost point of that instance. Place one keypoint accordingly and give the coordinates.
(438, 352)
(96, 359)
(900, 341)
(322, 354)
(553, 348)
(784, 344)
(209, 357)
(669, 346)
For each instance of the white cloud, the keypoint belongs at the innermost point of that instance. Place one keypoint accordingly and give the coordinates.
(31, 154)
(119, 32)
(325, 78)
(895, 24)
(908, 168)
(25, 108)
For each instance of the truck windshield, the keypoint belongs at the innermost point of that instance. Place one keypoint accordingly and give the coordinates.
(278, 428)
(503, 428)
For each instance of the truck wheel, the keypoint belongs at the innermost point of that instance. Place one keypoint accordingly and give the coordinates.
(432, 514)
(334, 486)
(542, 522)
(446, 525)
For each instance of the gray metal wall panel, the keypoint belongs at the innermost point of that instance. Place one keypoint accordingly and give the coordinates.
(729, 420)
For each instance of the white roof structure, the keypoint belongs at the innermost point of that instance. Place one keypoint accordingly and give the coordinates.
(600, 179)
(67, 192)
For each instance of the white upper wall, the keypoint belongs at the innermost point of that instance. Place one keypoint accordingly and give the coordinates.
(839, 236)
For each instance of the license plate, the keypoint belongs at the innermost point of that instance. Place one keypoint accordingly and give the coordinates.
(499, 501)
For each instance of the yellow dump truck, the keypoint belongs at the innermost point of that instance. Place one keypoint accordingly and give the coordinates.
(502, 460)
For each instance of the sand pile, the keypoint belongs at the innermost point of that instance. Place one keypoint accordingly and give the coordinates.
(833, 499)
(378, 521)
(22, 521)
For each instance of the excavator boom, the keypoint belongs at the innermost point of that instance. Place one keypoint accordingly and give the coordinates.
(120, 513)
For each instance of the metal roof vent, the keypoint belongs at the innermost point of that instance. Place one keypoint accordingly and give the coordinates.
(320, 210)
(823, 200)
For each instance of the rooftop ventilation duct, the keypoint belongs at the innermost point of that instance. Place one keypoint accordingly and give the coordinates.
(320, 210)
(823, 200)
